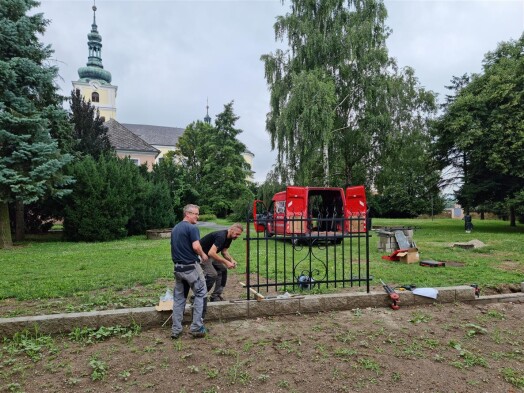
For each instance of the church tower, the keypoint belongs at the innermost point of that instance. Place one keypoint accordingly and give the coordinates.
(207, 119)
(95, 82)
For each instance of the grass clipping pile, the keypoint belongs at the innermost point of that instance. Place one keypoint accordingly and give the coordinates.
(439, 348)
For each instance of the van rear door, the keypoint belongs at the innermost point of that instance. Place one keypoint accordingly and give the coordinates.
(356, 208)
(260, 215)
(296, 209)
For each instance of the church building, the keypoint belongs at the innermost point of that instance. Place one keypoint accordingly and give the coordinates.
(143, 144)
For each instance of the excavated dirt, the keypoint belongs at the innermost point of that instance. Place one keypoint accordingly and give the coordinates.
(446, 348)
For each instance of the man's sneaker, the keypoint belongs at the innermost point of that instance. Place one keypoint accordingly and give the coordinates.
(175, 336)
(199, 333)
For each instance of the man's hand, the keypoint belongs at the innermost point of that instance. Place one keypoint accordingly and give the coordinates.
(197, 248)
(230, 265)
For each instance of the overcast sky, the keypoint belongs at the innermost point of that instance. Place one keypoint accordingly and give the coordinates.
(168, 57)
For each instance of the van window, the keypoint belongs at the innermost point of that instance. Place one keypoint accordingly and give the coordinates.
(280, 207)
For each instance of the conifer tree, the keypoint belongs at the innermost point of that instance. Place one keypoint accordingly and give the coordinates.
(212, 159)
(30, 160)
(89, 134)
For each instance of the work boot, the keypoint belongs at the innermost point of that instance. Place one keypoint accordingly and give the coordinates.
(199, 333)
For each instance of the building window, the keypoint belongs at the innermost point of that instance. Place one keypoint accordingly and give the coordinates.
(95, 97)
(135, 161)
(160, 159)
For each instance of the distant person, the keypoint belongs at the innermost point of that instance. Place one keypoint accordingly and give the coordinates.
(216, 246)
(468, 223)
(185, 250)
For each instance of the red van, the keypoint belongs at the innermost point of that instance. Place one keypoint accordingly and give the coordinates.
(309, 210)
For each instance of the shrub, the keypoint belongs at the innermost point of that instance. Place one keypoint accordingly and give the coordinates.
(207, 217)
(103, 199)
(242, 207)
(153, 208)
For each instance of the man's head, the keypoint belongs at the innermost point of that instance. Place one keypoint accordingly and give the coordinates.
(191, 213)
(235, 231)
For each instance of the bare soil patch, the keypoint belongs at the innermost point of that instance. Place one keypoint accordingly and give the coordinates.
(450, 348)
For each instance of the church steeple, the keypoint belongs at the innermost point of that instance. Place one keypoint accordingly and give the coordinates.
(94, 69)
(95, 82)
(207, 119)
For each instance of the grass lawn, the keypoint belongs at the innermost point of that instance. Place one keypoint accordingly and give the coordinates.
(134, 271)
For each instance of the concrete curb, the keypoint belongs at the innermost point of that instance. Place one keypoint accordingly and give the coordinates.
(148, 317)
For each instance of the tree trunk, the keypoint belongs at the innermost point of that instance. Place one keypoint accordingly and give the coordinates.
(19, 221)
(325, 154)
(512, 217)
(5, 228)
(482, 215)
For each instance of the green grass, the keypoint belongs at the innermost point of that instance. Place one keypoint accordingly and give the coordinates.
(54, 269)
(501, 261)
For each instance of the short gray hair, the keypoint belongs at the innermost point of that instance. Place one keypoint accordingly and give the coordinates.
(189, 207)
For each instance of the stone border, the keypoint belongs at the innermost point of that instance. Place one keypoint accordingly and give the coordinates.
(158, 234)
(148, 317)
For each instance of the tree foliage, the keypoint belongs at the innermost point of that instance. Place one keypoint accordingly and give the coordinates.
(153, 207)
(181, 191)
(481, 133)
(212, 158)
(89, 133)
(270, 187)
(113, 198)
(30, 160)
(336, 61)
(341, 111)
(103, 199)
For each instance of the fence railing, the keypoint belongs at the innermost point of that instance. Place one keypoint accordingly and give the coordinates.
(307, 254)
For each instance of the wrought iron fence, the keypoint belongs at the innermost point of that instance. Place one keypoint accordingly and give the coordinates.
(307, 254)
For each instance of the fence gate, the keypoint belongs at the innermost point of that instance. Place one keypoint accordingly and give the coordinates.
(302, 259)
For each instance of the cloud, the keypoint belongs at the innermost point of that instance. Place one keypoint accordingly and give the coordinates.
(168, 57)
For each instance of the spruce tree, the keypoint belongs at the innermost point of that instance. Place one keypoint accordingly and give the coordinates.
(89, 134)
(224, 169)
(212, 159)
(30, 160)
(103, 200)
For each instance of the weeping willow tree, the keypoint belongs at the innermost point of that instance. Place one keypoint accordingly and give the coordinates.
(328, 90)
(341, 110)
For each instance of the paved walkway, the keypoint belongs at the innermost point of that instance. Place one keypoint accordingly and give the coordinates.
(212, 225)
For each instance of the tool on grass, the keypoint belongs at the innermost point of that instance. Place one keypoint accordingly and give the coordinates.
(406, 287)
(258, 296)
(430, 263)
(167, 320)
(395, 298)
(477, 289)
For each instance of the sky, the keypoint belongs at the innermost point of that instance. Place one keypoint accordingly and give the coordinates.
(170, 58)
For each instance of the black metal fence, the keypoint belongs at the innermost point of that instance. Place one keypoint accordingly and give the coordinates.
(307, 254)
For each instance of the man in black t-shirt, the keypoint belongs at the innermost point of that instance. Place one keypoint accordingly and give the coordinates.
(215, 246)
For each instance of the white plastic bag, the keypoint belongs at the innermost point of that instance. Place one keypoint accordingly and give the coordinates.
(167, 296)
